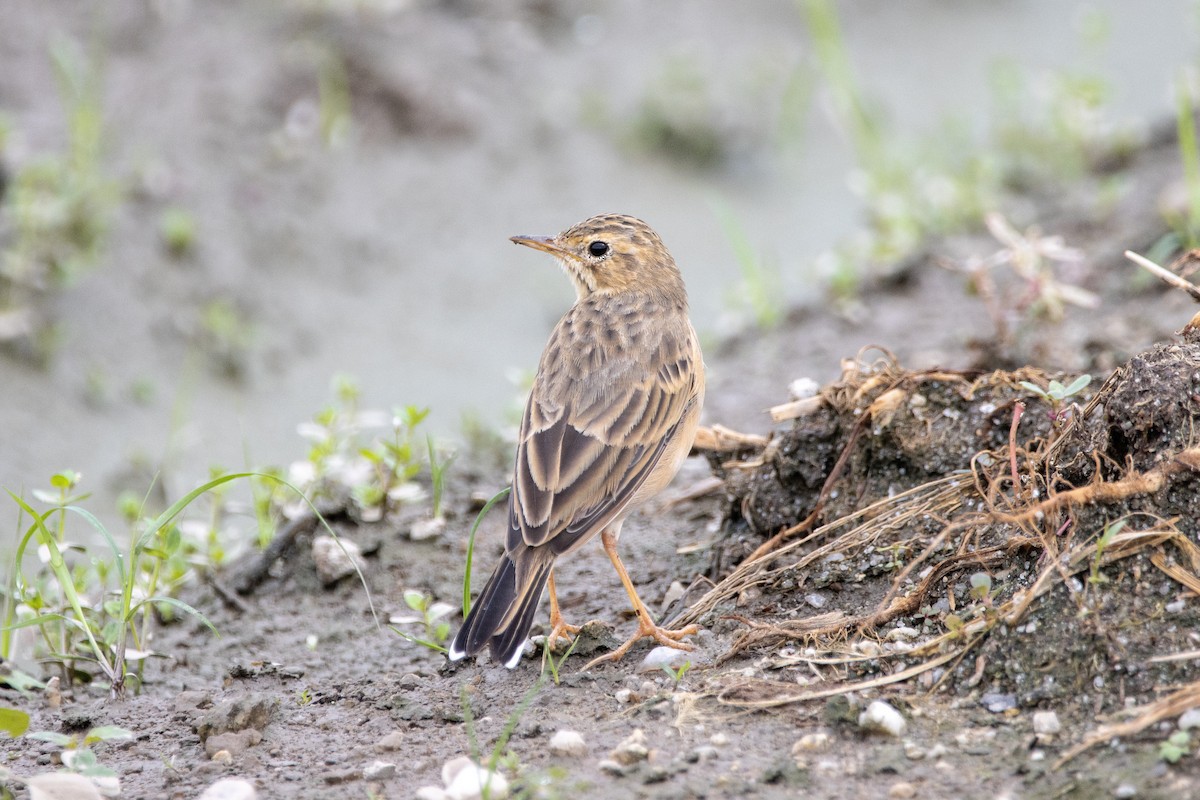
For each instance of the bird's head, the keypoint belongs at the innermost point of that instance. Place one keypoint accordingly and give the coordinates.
(613, 254)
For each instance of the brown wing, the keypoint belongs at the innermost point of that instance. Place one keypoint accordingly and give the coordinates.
(596, 425)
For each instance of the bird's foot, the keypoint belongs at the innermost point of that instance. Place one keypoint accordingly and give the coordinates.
(559, 629)
(649, 630)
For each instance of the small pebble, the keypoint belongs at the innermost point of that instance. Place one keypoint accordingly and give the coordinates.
(902, 790)
(392, 741)
(913, 751)
(998, 703)
(1045, 723)
(803, 388)
(867, 648)
(567, 743)
(1189, 719)
(719, 739)
(62, 785)
(191, 700)
(611, 767)
(465, 780)
(233, 743)
(623, 696)
(880, 717)
(379, 771)
(334, 561)
(427, 529)
(674, 592)
(902, 633)
(665, 657)
(632, 750)
(230, 789)
(1125, 791)
(811, 743)
(222, 757)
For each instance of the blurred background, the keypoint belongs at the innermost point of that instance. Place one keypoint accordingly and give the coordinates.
(211, 210)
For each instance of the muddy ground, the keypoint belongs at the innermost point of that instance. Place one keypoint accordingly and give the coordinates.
(848, 610)
(845, 610)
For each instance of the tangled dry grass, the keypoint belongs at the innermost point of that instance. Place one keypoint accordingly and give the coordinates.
(951, 492)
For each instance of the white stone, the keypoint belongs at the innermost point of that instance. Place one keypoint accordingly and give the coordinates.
(632, 750)
(379, 771)
(429, 528)
(663, 656)
(332, 561)
(465, 780)
(881, 717)
(61, 786)
(803, 388)
(567, 743)
(811, 743)
(230, 789)
(1045, 723)
(1189, 719)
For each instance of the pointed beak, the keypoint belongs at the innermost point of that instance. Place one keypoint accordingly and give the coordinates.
(544, 243)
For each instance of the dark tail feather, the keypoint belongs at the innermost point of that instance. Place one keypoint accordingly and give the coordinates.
(482, 626)
(507, 644)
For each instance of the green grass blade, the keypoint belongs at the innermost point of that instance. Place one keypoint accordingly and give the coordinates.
(500, 495)
(104, 534)
(59, 567)
(415, 640)
(179, 604)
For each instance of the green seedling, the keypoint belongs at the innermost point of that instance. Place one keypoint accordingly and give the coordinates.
(78, 756)
(437, 475)
(551, 663)
(1057, 395)
(981, 588)
(59, 206)
(1175, 747)
(761, 288)
(430, 615)
(98, 610)
(676, 674)
(1095, 577)
(500, 749)
(1185, 225)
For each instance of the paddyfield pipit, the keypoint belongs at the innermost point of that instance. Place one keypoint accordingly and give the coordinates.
(611, 416)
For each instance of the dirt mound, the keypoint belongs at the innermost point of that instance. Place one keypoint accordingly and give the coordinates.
(984, 532)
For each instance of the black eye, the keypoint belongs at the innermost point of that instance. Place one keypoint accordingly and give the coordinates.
(598, 249)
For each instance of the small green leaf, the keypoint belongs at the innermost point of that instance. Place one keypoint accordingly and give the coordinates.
(415, 600)
(107, 733)
(13, 722)
(1077, 385)
(60, 739)
(1033, 387)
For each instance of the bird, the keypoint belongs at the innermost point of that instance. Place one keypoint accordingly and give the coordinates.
(611, 416)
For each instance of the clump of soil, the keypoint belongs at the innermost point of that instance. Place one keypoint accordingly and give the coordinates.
(967, 532)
